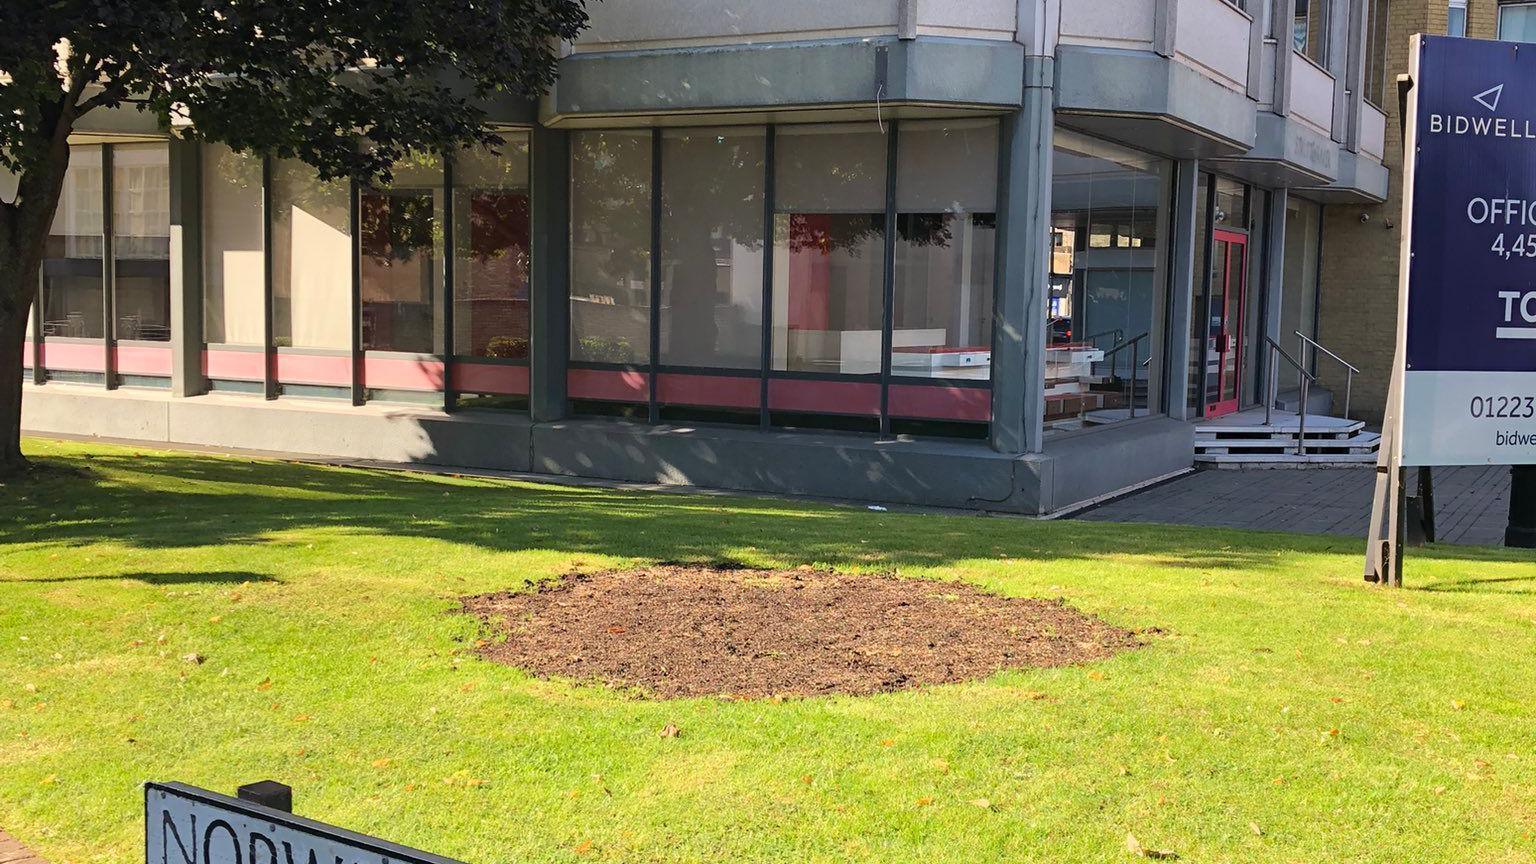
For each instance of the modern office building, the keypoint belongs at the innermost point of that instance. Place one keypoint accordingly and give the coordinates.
(1001, 254)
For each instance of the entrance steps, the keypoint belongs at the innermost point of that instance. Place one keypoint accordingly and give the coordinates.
(1244, 440)
(1319, 400)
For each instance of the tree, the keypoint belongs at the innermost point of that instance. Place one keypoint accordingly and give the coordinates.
(306, 79)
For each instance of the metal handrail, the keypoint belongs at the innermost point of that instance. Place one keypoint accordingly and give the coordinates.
(1114, 366)
(1118, 332)
(1307, 379)
(1349, 379)
(1315, 344)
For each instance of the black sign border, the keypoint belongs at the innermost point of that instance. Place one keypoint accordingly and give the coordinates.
(397, 853)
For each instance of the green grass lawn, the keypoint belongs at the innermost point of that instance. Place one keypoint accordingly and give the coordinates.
(1289, 712)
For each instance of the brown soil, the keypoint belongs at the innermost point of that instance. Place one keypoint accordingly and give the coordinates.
(676, 631)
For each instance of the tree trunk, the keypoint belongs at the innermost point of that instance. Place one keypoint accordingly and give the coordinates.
(13, 329)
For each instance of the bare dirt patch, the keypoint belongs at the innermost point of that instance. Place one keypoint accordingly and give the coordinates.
(680, 631)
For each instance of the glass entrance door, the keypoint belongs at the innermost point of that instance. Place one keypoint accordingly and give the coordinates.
(1224, 323)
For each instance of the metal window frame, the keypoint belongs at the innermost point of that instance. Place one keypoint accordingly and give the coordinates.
(108, 273)
(268, 324)
(765, 371)
(653, 408)
(445, 296)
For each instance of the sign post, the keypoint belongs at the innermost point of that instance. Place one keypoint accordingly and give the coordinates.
(1463, 385)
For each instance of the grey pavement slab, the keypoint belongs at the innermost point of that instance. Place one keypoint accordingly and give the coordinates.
(1471, 504)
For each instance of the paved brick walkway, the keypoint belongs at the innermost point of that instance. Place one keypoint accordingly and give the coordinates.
(1471, 504)
(12, 852)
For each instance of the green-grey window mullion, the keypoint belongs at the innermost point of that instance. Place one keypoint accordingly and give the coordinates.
(766, 360)
(1209, 232)
(655, 318)
(38, 376)
(108, 271)
(354, 207)
(445, 311)
(268, 336)
(888, 284)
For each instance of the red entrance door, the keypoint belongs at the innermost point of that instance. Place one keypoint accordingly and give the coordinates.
(1224, 321)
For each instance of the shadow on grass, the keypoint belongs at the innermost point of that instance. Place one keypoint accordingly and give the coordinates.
(222, 577)
(178, 501)
(1492, 585)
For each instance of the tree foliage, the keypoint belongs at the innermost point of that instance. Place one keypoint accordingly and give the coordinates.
(305, 79)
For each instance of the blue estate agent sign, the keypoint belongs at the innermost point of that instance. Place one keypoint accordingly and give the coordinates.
(1469, 394)
(186, 825)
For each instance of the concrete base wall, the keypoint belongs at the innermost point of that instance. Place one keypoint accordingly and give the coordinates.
(958, 474)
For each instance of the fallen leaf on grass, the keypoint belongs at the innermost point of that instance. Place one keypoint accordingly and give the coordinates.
(670, 731)
(889, 742)
(301, 718)
(194, 658)
(266, 684)
(1133, 846)
(1254, 827)
(583, 848)
(1096, 675)
(925, 801)
(982, 803)
(382, 763)
(214, 619)
(49, 780)
(1457, 705)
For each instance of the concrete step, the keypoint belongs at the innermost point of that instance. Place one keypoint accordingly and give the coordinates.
(1319, 400)
(1265, 460)
(1365, 442)
(1282, 425)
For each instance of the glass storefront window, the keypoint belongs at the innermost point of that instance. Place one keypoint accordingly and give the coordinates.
(141, 242)
(1303, 245)
(400, 232)
(712, 247)
(72, 298)
(233, 282)
(1231, 205)
(1107, 209)
(611, 246)
(829, 240)
(311, 259)
(1309, 29)
(491, 238)
(946, 241)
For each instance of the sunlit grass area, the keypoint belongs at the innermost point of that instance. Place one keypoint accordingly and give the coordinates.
(1283, 711)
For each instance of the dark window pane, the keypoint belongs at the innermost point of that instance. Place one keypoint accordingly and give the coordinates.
(829, 242)
(72, 265)
(611, 246)
(400, 232)
(712, 248)
(491, 251)
(141, 241)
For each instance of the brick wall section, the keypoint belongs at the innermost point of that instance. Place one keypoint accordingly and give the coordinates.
(1357, 313)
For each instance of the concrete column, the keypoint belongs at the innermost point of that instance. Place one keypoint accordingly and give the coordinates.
(549, 325)
(1274, 281)
(1165, 20)
(1346, 49)
(186, 270)
(1280, 25)
(1181, 287)
(1023, 266)
(1347, 117)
